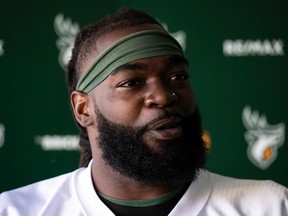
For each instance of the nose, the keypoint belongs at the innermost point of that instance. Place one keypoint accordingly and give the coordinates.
(160, 95)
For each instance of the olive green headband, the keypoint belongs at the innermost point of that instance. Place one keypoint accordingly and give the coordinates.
(135, 46)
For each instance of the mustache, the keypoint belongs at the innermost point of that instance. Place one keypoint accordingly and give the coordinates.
(160, 118)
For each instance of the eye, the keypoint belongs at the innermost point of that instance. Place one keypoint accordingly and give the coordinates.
(180, 76)
(130, 83)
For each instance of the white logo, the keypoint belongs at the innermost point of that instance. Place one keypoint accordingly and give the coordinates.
(66, 31)
(180, 36)
(1, 47)
(58, 142)
(265, 47)
(263, 139)
(2, 135)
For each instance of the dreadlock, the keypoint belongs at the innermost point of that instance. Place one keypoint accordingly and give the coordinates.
(84, 47)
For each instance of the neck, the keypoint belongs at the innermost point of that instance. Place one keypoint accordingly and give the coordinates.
(113, 184)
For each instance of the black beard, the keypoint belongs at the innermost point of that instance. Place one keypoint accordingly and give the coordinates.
(177, 161)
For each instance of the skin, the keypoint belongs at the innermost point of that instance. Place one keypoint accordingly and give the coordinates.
(132, 96)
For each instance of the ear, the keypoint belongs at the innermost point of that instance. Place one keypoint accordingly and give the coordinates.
(80, 105)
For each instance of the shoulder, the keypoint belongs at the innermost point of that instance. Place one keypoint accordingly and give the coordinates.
(33, 197)
(224, 183)
(248, 196)
(217, 195)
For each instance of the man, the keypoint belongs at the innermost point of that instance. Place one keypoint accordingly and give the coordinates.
(131, 98)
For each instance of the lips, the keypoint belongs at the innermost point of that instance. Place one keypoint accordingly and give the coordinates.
(167, 128)
(165, 123)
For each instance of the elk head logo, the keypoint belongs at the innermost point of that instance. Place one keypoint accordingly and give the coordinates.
(66, 31)
(263, 139)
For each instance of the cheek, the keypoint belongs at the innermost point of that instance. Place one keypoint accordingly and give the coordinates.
(120, 110)
(187, 100)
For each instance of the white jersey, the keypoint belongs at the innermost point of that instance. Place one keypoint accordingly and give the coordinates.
(210, 195)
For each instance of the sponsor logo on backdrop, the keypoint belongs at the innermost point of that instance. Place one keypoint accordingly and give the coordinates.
(2, 135)
(66, 31)
(1, 47)
(58, 142)
(263, 139)
(180, 36)
(242, 48)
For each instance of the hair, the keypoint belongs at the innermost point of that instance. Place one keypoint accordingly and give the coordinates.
(84, 47)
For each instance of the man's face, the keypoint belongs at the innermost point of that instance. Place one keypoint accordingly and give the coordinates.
(147, 109)
(141, 91)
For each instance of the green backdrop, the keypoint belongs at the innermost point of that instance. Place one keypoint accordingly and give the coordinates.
(238, 58)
